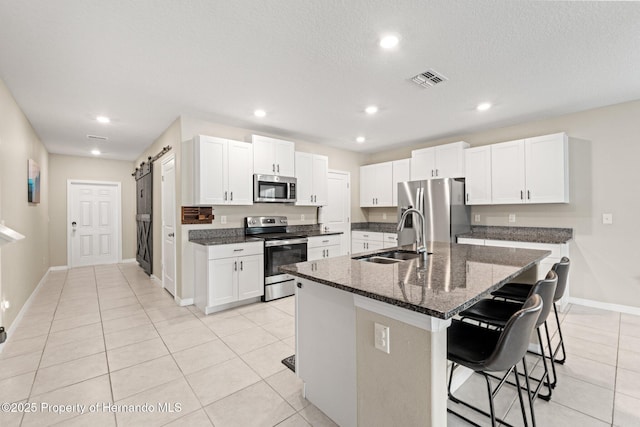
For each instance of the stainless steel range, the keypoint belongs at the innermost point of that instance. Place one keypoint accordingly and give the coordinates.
(280, 248)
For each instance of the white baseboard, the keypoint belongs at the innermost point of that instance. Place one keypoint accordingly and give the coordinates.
(26, 305)
(184, 302)
(58, 268)
(129, 260)
(605, 305)
(155, 280)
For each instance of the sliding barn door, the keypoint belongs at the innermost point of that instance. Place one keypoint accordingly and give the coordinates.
(144, 214)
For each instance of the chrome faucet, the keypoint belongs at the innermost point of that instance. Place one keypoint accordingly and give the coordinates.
(421, 241)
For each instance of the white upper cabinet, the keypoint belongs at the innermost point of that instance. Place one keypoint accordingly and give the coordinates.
(376, 183)
(223, 171)
(401, 173)
(478, 180)
(442, 161)
(531, 170)
(273, 156)
(312, 176)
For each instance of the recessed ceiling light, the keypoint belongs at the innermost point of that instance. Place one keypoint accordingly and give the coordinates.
(371, 109)
(484, 106)
(389, 41)
(103, 119)
(259, 113)
(95, 152)
(360, 139)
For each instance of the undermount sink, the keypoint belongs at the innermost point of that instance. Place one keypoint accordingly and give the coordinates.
(380, 260)
(399, 254)
(389, 257)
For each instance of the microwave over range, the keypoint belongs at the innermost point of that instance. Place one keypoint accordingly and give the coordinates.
(274, 189)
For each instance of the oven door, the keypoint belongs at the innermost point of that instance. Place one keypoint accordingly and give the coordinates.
(282, 252)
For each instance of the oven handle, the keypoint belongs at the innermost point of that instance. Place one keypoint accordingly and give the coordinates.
(272, 243)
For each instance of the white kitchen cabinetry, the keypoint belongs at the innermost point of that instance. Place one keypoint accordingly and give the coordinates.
(223, 171)
(319, 247)
(442, 161)
(228, 274)
(478, 175)
(365, 241)
(531, 170)
(273, 156)
(312, 174)
(401, 173)
(376, 185)
(389, 240)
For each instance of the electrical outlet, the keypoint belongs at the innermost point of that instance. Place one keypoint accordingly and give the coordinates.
(4, 305)
(607, 218)
(476, 218)
(223, 219)
(381, 337)
(301, 217)
(384, 215)
(512, 217)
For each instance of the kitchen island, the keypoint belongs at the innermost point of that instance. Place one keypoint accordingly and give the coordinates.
(371, 338)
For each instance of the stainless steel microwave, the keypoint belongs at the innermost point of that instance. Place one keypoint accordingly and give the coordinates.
(274, 189)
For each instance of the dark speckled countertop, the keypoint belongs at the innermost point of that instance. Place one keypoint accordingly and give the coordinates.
(456, 276)
(229, 236)
(520, 234)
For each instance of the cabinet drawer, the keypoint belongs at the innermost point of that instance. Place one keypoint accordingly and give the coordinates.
(370, 236)
(390, 238)
(321, 241)
(234, 250)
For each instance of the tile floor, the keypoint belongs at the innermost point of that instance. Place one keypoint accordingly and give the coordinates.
(110, 337)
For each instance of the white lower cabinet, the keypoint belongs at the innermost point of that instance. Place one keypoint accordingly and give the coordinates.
(228, 274)
(319, 247)
(366, 241)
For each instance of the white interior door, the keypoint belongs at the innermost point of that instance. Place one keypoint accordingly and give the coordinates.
(94, 223)
(169, 225)
(336, 214)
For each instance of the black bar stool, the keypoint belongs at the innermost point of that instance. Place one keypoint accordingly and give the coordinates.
(519, 292)
(486, 350)
(496, 313)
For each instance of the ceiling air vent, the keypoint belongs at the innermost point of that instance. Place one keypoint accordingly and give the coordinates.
(429, 78)
(97, 137)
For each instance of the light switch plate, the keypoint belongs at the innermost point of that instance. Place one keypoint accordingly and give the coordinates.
(476, 218)
(607, 218)
(381, 337)
(512, 217)
(301, 217)
(223, 219)
(384, 215)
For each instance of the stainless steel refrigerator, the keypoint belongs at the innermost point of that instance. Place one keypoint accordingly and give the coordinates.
(442, 203)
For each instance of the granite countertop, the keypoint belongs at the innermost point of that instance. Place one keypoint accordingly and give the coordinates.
(229, 236)
(456, 276)
(520, 234)
(375, 227)
(225, 240)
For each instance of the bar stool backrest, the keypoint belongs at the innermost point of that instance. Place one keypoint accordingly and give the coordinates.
(514, 339)
(562, 270)
(546, 288)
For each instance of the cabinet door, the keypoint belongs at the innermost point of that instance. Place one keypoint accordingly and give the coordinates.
(450, 160)
(358, 246)
(320, 179)
(250, 276)
(315, 253)
(210, 180)
(264, 161)
(383, 190)
(223, 281)
(478, 179)
(375, 246)
(507, 172)
(547, 169)
(423, 164)
(333, 250)
(390, 240)
(367, 182)
(240, 169)
(304, 174)
(285, 157)
(401, 173)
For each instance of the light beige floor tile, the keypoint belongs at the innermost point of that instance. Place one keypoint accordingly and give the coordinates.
(167, 313)
(257, 405)
(174, 393)
(266, 315)
(135, 379)
(291, 342)
(19, 364)
(202, 356)
(110, 304)
(123, 357)
(85, 393)
(626, 411)
(74, 322)
(289, 386)
(584, 397)
(629, 330)
(93, 419)
(16, 388)
(23, 332)
(630, 319)
(195, 419)
(225, 326)
(297, 421)
(126, 311)
(250, 307)
(630, 343)
(179, 324)
(551, 414)
(131, 336)
(75, 334)
(628, 382)
(29, 345)
(629, 360)
(587, 333)
(588, 370)
(123, 323)
(591, 350)
(474, 391)
(55, 354)
(68, 373)
(11, 418)
(606, 322)
(285, 328)
(249, 340)
(316, 417)
(287, 305)
(267, 360)
(192, 337)
(229, 377)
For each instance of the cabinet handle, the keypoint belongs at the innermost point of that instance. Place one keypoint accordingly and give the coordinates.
(238, 250)
(325, 241)
(467, 197)
(278, 167)
(171, 234)
(235, 266)
(436, 172)
(365, 235)
(241, 266)
(528, 195)
(232, 195)
(312, 198)
(225, 195)
(431, 172)
(273, 167)
(521, 195)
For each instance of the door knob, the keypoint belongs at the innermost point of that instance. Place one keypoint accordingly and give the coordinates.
(172, 234)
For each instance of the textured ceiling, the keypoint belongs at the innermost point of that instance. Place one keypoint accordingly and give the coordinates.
(312, 65)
